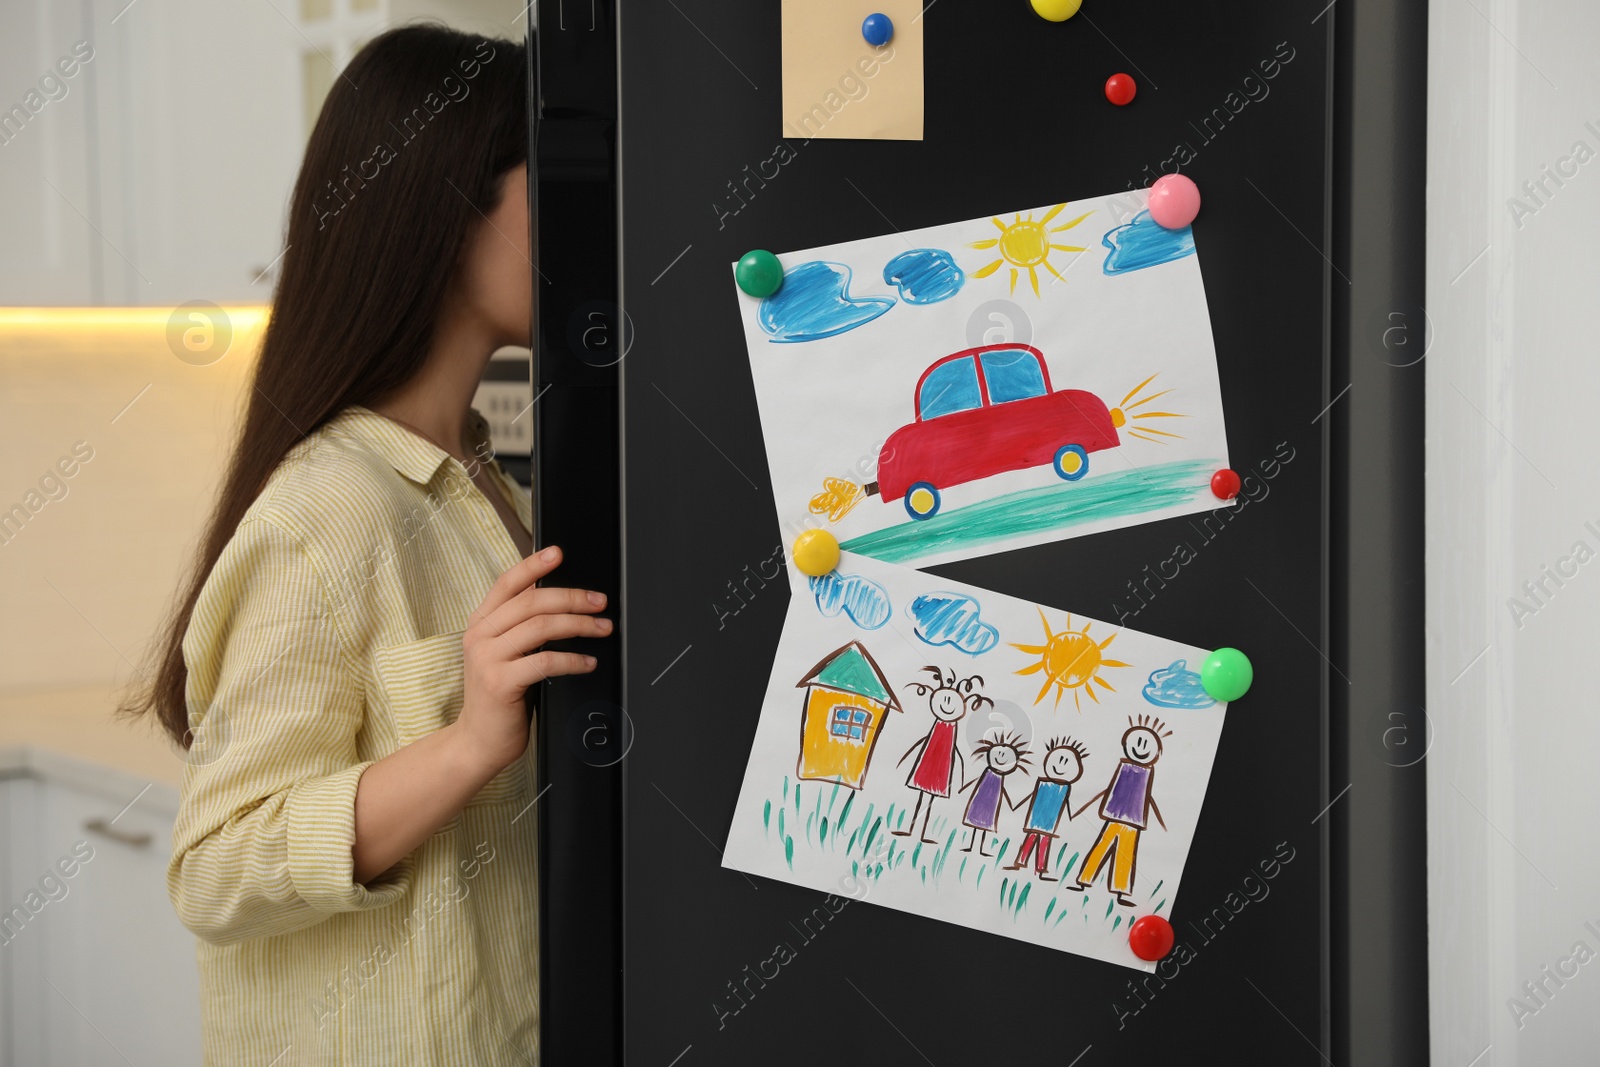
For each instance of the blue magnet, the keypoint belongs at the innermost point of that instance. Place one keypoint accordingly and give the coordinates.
(877, 29)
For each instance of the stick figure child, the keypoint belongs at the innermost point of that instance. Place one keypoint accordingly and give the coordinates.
(1002, 754)
(1063, 765)
(933, 772)
(1129, 801)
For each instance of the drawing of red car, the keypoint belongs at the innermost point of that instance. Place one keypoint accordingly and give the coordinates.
(984, 411)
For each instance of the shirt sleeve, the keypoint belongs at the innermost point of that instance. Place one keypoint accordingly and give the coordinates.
(266, 820)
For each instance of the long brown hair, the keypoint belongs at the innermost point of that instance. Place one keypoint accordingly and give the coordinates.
(411, 145)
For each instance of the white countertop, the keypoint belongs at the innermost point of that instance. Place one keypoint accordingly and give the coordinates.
(71, 735)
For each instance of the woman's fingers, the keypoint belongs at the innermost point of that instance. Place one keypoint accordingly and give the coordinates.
(536, 668)
(517, 579)
(542, 629)
(549, 600)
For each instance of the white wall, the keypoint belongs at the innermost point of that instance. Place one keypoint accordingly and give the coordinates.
(1513, 376)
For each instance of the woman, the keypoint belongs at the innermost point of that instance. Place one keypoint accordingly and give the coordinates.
(347, 666)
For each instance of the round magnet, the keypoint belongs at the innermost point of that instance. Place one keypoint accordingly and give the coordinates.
(816, 552)
(1056, 10)
(1121, 89)
(877, 28)
(759, 273)
(1226, 675)
(1225, 484)
(1174, 201)
(1151, 938)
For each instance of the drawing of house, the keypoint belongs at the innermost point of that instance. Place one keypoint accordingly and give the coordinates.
(847, 698)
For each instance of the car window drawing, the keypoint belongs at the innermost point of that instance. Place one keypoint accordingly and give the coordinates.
(1014, 374)
(949, 387)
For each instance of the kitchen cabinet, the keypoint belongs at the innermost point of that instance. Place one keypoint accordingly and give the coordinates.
(160, 170)
(95, 967)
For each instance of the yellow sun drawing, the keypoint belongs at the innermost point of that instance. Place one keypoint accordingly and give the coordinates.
(1026, 245)
(1070, 659)
(1123, 412)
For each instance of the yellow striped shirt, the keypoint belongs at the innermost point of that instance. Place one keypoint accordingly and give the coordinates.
(327, 636)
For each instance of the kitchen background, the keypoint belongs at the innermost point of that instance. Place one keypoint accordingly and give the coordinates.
(154, 174)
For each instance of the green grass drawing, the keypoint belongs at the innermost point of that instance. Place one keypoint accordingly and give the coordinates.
(1044, 508)
(874, 852)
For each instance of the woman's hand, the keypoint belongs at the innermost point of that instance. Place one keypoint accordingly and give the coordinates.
(406, 796)
(502, 657)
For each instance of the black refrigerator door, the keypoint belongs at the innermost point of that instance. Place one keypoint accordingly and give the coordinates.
(581, 729)
(1015, 116)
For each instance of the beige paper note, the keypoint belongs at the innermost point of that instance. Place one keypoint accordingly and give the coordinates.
(837, 85)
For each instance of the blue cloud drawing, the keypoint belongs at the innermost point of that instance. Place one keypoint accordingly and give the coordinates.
(924, 275)
(1144, 243)
(815, 302)
(862, 600)
(1176, 687)
(952, 619)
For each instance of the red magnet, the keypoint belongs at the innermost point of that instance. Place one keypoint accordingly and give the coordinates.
(1225, 484)
(1150, 938)
(1121, 89)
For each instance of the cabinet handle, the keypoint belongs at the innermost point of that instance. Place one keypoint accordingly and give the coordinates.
(100, 826)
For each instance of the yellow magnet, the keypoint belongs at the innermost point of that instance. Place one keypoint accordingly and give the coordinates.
(816, 552)
(1056, 10)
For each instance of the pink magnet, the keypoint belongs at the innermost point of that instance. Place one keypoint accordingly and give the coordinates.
(1174, 201)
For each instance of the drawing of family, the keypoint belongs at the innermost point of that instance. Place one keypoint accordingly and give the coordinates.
(1126, 802)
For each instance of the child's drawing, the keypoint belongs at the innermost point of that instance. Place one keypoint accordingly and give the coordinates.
(952, 619)
(862, 600)
(1070, 660)
(847, 699)
(815, 302)
(838, 496)
(1001, 756)
(938, 755)
(1026, 245)
(924, 275)
(1144, 243)
(984, 411)
(1126, 806)
(1176, 686)
(1063, 765)
(983, 821)
(1019, 431)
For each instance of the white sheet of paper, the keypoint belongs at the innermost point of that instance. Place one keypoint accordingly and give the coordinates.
(838, 353)
(823, 794)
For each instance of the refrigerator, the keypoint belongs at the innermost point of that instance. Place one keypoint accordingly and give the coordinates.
(661, 156)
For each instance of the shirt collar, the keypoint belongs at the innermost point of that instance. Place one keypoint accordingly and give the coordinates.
(415, 457)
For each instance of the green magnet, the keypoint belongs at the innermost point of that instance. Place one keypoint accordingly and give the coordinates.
(759, 273)
(1226, 674)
